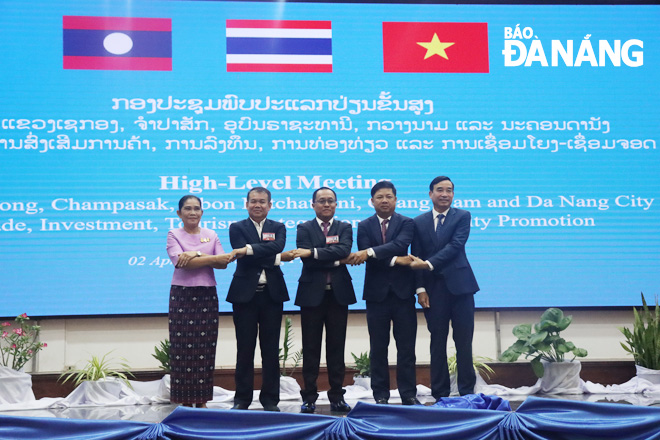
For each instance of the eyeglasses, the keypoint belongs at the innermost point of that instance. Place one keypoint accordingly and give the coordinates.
(325, 201)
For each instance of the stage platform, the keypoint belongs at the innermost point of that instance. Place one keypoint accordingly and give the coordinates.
(559, 417)
(111, 411)
(156, 413)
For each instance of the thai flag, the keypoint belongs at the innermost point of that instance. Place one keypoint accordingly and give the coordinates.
(117, 43)
(279, 46)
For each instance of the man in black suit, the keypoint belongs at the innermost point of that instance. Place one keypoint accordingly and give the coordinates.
(324, 292)
(389, 290)
(446, 286)
(257, 292)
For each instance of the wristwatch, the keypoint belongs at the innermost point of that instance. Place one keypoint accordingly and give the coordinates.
(199, 254)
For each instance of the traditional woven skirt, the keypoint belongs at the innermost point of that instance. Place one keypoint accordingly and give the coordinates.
(193, 322)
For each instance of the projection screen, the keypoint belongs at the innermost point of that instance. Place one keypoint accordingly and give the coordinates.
(545, 117)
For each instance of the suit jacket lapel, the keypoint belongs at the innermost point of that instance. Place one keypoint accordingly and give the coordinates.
(391, 227)
(447, 223)
(252, 231)
(333, 229)
(267, 227)
(430, 228)
(375, 229)
(318, 233)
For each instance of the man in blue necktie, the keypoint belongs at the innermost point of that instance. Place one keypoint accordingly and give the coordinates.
(446, 286)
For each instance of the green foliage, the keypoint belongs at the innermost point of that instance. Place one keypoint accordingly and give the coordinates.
(287, 348)
(544, 343)
(644, 341)
(18, 342)
(478, 362)
(99, 368)
(362, 364)
(162, 355)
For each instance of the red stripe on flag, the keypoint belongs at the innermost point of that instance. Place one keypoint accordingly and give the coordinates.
(117, 63)
(238, 67)
(467, 53)
(117, 23)
(279, 24)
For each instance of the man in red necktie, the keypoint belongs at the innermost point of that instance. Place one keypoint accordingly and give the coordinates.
(389, 291)
(324, 293)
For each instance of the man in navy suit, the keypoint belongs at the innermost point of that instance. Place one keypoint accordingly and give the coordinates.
(446, 286)
(257, 292)
(324, 292)
(389, 290)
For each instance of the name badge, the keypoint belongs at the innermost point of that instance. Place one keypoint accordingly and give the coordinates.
(331, 239)
(268, 236)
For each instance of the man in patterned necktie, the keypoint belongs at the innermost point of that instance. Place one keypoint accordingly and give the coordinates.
(389, 291)
(325, 291)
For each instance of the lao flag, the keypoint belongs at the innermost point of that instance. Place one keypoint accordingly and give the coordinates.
(279, 46)
(435, 47)
(117, 43)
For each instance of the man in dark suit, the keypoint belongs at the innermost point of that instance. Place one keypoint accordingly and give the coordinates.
(257, 292)
(324, 292)
(446, 286)
(389, 290)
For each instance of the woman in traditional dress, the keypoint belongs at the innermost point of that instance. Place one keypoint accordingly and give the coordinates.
(193, 312)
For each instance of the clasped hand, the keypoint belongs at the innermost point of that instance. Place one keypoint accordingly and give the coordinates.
(417, 263)
(295, 253)
(356, 258)
(186, 257)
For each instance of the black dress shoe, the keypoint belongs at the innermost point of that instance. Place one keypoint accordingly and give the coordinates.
(340, 407)
(410, 401)
(308, 407)
(240, 406)
(382, 401)
(272, 408)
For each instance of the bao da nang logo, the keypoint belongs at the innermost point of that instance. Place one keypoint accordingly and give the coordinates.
(523, 48)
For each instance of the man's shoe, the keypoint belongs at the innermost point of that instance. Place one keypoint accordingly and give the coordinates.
(340, 407)
(308, 407)
(410, 401)
(382, 401)
(240, 406)
(272, 408)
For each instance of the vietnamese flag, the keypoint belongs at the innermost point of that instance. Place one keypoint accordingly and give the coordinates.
(435, 47)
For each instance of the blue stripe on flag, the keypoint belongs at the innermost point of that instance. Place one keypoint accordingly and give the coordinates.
(149, 44)
(279, 46)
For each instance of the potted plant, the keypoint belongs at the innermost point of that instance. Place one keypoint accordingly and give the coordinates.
(480, 368)
(18, 342)
(643, 342)
(162, 355)
(100, 382)
(18, 345)
(548, 350)
(99, 369)
(288, 384)
(363, 366)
